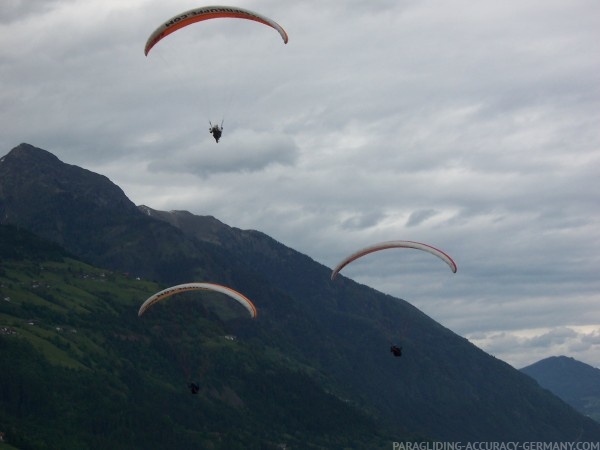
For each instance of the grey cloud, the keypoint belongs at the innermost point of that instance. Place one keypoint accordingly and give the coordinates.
(241, 151)
(361, 221)
(418, 217)
(15, 10)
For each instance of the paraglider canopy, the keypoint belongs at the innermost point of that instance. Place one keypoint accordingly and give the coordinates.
(394, 244)
(166, 293)
(205, 13)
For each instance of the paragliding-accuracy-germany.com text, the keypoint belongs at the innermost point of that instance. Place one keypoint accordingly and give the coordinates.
(496, 445)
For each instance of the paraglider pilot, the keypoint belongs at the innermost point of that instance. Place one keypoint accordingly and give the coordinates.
(194, 388)
(216, 131)
(397, 351)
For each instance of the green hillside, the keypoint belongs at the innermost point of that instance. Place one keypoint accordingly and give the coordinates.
(80, 370)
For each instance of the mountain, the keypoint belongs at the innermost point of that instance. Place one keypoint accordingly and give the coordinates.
(90, 216)
(443, 387)
(575, 382)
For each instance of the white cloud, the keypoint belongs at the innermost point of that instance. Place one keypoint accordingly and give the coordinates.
(524, 347)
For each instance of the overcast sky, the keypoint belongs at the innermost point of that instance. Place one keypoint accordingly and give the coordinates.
(471, 126)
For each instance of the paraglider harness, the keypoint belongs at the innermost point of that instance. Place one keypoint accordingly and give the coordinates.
(216, 130)
(397, 351)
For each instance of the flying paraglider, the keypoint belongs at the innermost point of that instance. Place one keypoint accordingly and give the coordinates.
(166, 293)
(216, 131)
(396, 351)
(193, 386)
(205, 13)
(395, 244)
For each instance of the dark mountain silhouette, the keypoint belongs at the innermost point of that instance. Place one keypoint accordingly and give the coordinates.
(575, 382)
(91, 217)
(443, 387)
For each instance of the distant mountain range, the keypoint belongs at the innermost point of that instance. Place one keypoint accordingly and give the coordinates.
(575, 382)
(314, 339)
